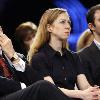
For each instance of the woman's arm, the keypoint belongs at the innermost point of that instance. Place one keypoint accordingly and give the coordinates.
(82, 82)
(48, 78)
(87, 94)
(70, 93)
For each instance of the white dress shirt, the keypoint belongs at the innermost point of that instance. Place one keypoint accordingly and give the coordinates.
(97, 44)
(20, 66)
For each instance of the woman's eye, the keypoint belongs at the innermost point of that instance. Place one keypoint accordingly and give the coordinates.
(62, 22)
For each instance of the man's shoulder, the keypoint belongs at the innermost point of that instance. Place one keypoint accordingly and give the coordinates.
(85, 52)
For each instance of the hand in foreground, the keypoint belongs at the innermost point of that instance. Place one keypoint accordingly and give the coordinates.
(6, 44)
(92, 93)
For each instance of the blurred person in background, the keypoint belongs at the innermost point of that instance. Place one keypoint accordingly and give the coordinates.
(24, 36)
(85, 39)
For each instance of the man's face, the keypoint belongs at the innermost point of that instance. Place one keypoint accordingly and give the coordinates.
(97, 22)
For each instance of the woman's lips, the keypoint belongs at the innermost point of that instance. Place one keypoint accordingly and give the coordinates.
(66, 32)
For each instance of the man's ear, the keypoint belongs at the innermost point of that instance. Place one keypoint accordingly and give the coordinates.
(49, 28)
(91, 26)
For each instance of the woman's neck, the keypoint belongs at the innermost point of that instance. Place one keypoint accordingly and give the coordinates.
(56, 44)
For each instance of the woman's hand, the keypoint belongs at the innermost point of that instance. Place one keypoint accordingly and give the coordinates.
(92, 93)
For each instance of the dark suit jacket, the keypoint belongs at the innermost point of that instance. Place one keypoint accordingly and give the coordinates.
(90, 57)
(8, 86)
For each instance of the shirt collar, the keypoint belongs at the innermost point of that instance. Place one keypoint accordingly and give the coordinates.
(51, 52)
(0, 51)
(97, 43)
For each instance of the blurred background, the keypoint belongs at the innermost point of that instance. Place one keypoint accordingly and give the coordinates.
(14, 12)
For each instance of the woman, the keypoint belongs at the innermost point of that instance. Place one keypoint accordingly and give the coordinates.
(24, 36)
(49, 56)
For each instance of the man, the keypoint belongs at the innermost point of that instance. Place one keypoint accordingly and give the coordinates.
(15, 63)
(90, 55)
(17, 72)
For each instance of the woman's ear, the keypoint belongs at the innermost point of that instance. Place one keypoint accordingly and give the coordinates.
(49, 28)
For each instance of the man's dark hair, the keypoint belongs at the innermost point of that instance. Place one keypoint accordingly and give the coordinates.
(90, 15)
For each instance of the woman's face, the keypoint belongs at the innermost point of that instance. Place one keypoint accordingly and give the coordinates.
(61, 27)
(28, 40)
